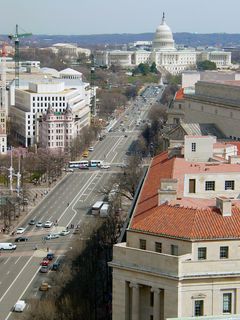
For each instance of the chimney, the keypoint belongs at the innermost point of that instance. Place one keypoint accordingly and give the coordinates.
(224, 205)
(167, 191)
(234, 159)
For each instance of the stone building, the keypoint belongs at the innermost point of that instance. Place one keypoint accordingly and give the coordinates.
(164, 53)
(30, 102)
(181, 257)
(215, 102)
(56, 129)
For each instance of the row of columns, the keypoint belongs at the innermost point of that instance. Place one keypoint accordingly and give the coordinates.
(136, 301)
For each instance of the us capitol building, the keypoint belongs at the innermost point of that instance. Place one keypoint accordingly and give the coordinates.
(164, 53)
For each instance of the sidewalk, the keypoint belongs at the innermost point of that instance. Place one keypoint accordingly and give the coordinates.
(34, 194)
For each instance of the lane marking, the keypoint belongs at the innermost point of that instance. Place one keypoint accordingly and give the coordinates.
(16, 278)
(25, 288)
(17, 260)
(7, 260)
(72, 203)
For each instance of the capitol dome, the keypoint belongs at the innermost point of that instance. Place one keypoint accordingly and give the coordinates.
(163, 38)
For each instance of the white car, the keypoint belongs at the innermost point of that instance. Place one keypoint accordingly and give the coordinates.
(20, 230)
(64, 232)
(52, 236)
(105, 166)
(48, 224)
(39, 224)
(90, 149)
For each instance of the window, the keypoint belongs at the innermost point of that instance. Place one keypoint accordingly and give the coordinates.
(174, 250)
(192, 186)
(210, 185)
(151, 299)
(142, 244)
(158, 247)
(229, 185)
(202, 253)
(223, 252)
(227, 303)
(194, 147)
(198, 308)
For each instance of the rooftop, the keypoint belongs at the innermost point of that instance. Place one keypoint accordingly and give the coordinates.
(186, 218)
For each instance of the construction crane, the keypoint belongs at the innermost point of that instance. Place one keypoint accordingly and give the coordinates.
(3, 77)
(15, 37)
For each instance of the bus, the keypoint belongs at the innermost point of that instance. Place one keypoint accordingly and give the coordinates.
(95, 163)
(78, 164)
(97, 207)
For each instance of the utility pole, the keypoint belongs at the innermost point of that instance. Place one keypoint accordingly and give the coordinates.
(11, 174)
(18, 175)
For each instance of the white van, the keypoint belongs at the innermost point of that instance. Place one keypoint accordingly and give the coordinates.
(7, 246)
(96, 208)
(19, 306)
(104, 210)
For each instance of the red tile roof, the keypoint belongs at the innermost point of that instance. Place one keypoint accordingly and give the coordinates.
(189, 223)
(179, 94)
(190, 218)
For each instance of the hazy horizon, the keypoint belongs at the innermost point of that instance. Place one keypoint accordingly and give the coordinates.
(59, 17)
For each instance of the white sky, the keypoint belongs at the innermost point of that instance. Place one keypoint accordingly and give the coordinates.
(123, 16)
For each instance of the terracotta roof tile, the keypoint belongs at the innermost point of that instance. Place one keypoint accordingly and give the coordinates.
(186, 217)
(190, 223)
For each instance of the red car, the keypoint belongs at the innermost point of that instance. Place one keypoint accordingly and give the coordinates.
(45, 262)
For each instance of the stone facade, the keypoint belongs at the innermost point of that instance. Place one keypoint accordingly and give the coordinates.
(212, 102)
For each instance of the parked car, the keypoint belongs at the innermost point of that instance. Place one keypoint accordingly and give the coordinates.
(52, 236)
(44, 269)
(32, 222)
(20, 239)
(90, 148)
(20, 230)
(50, 256)
(39, 224)
(55, 266)
(64, 232)
(44, 286)
(48, 224)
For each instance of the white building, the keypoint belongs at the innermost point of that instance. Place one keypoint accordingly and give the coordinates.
(69, 49)
(31, 100)
(164, 53)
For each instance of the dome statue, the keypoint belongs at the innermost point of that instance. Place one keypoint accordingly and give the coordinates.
(163, 38)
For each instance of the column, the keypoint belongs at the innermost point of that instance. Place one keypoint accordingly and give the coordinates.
(135, 300)
(156, 303)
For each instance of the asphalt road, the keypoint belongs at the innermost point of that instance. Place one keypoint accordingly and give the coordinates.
(68, 203)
